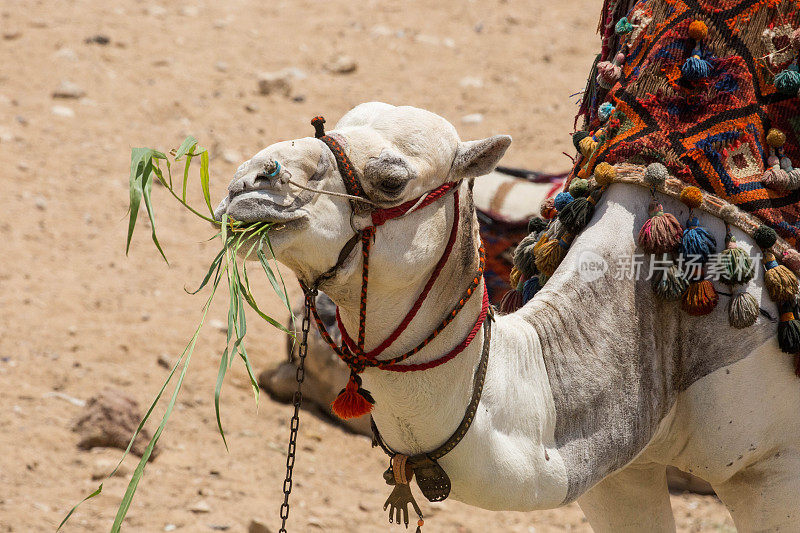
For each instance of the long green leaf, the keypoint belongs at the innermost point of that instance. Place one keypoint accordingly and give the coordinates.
(147, 186)
(204, 179)
(138, 157)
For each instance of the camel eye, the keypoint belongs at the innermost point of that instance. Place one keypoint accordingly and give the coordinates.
(388, 174)
(392, 186)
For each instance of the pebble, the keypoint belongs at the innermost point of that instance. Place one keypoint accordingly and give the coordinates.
(11, 35)
(218, 325)
(66, 53)
(200, 506)
(170, 527)
(474, 118)
(102, 467)
(275, 83)
(258, 526)
(251, 108)
(60, 395)
(163, 361)
(471, 82)
(62, 111)
(219, 527)
(231, 156)
(221, 66)
(189, 11)
(99, 38)
(40, 203)
(68, 89)
(341, 65)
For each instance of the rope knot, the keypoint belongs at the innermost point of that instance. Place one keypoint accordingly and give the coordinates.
(319, 126)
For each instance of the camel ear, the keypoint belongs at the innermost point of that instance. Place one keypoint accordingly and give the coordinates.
(476, 158)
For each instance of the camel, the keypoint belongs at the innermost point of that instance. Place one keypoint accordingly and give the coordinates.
(591, 389)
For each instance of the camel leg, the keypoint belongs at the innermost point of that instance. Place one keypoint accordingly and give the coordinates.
(634, 499)
(765, 496)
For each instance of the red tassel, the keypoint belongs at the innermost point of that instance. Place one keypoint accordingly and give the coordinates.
(700, 299)
(353, 401)
(511, 301)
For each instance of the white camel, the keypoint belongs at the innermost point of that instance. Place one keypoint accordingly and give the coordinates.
(592, 388)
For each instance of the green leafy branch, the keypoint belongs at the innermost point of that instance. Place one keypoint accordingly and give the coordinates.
(229, 264)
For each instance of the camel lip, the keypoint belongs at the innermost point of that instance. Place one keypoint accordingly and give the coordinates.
(259, 206)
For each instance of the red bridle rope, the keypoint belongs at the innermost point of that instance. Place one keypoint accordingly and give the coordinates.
(353, 400)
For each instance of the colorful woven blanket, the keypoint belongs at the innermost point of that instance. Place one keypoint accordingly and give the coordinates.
(696, 85)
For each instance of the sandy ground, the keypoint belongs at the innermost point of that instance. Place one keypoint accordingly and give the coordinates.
(77, 316)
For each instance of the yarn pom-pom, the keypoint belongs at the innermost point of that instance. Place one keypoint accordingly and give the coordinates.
(529, 290)
(511, 301)
(728, 212)
(736, 265)
(671, 284)
(781, 283)
(697, 242)
(524, 258)
(791, 258)
(661, 233)
(514, 277)
(776, 179)
(550, 252)
(700, 299)
(604, 173)
(605, 110)
(587, 145)
(789, 332)
(547, 209)
(656, 174)
(536, 225)
(765, 236)
(695, 68)
(787, 82)
(742, 310)
(692, 196)
(698, 30)
(353, 401)
(775, 138)
(562, 200)
(579, 187)
(578, 213)
(607, 74)
(623, 26)
(577, 137)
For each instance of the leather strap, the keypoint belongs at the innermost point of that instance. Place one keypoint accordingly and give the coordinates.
(469, 414)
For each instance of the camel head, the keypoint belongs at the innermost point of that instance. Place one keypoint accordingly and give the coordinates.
(398, 153)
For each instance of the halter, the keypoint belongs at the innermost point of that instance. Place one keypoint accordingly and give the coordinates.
(354, 400)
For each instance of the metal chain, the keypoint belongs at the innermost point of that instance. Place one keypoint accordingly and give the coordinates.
(296, 401)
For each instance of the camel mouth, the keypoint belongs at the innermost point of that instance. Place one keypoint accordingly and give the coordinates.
(261, 206)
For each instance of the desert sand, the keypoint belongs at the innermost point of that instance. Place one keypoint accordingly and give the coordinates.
(83, 81)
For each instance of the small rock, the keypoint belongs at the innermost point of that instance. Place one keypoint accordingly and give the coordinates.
(62, 111)
(102, 467)
(11, 35)
(109, 420)
(300, 98)
(474, 118)
(66, 397)
(258, 526)
(100, 39)
(218, 325)
(471, 82)
(23, 166)
(163, 361)
(155, 11)
(66, 53)
(275, 83)
(221, 66)
(251, 108)
(189, 11)
(40, 203)
(219, 527)
(231, 156)
(341, 65)
(68, 89)
(200, 506)
(170, 527)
